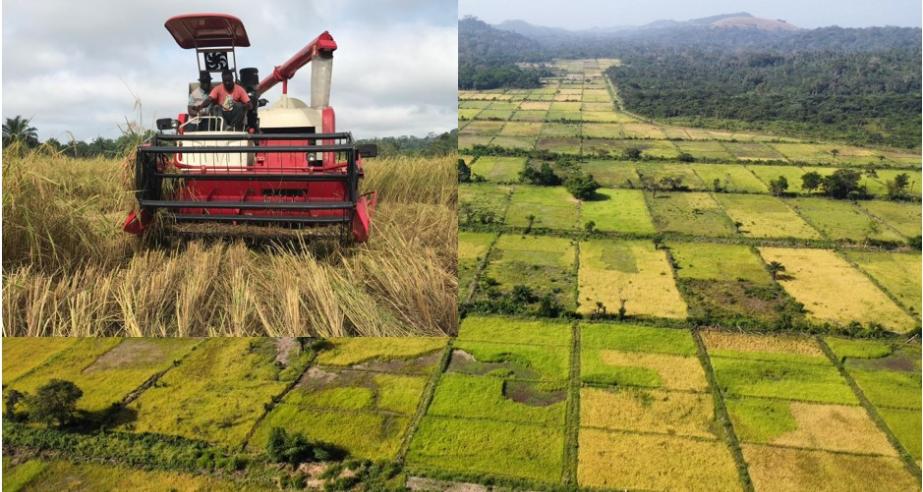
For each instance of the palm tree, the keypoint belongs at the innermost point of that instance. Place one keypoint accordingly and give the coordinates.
(17, 129)
(775, 268)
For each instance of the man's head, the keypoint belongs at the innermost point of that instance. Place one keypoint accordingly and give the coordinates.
(227, 79)
(205, 80)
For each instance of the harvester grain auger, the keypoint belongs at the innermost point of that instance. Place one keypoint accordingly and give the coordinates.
(285, 165)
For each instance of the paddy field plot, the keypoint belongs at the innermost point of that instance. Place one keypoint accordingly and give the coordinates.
(616, 148)
(524, 143)
(630, 272)
(833, 291)
(560, 145)
(495, 114)
(752, 151)
(545, 264)
(845, 428)
(794, 348)
(107, 369)
(619, 210)
(648, 410)
(694, 214)
(479, 397)
(618, 460)
(765, 216)
(533, 116)
(219, 391)
(843, 221)
(886, 175)
(499, 169)
(467, 113)
(561, 130)
(633, 356)
(349, 351)
(468, 141)
(521, 129)
(365, 407)
(791, 380)
(898, 273)
(700, 149)
(483, 128)
(597, 116)
(785, 469)
(476, 449)
(612, 174)
(64, 475)
(500, 329)
(542, 207)
(472, 250)
(729, 177)
(714, 261)
(656, 173)
(792, 175)
(905, 218)
(479, 202)
(23, 354)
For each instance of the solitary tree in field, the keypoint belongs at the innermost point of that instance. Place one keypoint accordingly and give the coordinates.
(17, 129)
(778, 186)
(775, 268)
(811, 181)
(834, 152)
(55, 402)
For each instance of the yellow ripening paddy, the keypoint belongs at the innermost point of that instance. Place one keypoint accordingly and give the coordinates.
(630, 271)
(832, 290)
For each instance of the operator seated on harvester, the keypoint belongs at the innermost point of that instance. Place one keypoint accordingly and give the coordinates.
(200, 95)
(231, 98)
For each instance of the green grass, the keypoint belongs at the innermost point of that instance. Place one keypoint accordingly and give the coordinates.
(218, 392)
(623, 211)
(633, 338)
(478, 397)
(782, 379)
(17, 477)
(889, 388)
(765, 216)
(499, 169)
(107, 369)
(845, 348)
(23, 354)
(899, 273)
(712, 261)
(752, 151)
(545, 264)
(613, 174)
(695, 214)
(702, 149)
(906, 218)
(478, 449)
(730, 177)
(841, 220)
(350, 351)
(551, 207)
(499, 329)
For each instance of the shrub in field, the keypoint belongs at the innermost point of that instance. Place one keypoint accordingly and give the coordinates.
(582, 186)
(294, 448)
(55, 402)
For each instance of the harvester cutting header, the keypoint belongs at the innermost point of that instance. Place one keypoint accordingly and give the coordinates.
(229, 160)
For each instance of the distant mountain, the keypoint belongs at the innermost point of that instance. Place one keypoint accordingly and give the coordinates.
(481, 41)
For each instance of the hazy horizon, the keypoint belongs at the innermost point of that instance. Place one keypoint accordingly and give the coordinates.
(588, 14)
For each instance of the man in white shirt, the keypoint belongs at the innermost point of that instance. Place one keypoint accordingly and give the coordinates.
(198, 96)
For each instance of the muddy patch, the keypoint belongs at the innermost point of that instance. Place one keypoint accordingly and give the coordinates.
(315, 379)
(465, 363)
(417, 365)
(131, 352)
(900, 360)
(530, 394)
(286, 348)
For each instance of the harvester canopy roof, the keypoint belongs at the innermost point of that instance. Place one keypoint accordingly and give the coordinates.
(207, 31)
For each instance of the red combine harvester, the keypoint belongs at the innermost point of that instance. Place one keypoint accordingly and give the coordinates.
(284, 165)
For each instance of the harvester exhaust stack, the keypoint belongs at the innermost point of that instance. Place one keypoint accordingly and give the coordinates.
(321, 73)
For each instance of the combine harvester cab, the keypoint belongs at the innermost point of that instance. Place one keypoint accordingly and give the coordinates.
(287, 166)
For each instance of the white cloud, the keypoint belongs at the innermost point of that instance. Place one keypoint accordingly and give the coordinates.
(74, 69)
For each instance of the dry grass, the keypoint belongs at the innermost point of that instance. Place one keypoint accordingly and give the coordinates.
(69, 270)
(680, 373)
(739, 342)
(835, 428)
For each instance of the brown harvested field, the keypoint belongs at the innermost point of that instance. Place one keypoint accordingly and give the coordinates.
(616, 460)
(648, 410)
(722, 341)
(680, 373)
(783, 469)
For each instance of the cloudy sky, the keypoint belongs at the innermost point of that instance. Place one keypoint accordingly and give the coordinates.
(582, 14)
(73, 66)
